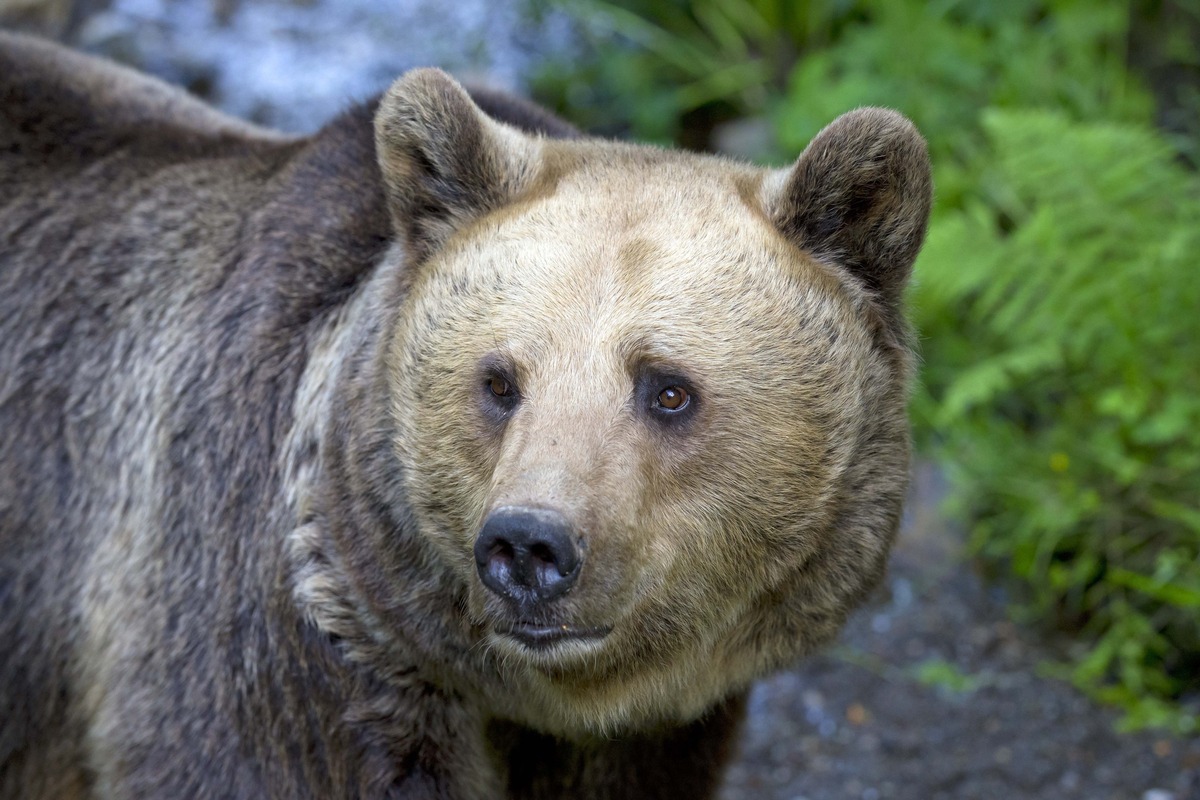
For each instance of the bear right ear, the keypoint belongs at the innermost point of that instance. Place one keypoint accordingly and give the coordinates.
(859, 198)
(445, 162)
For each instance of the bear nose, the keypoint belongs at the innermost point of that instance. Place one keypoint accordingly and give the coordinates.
(527, 554)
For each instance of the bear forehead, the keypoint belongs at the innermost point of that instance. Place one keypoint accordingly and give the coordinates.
(686, 248)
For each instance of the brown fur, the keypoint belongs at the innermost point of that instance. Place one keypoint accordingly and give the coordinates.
(245, 458)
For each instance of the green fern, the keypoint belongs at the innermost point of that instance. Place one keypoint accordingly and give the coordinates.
(1060, 310)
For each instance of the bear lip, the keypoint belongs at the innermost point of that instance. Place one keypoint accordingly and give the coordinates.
(539, 637)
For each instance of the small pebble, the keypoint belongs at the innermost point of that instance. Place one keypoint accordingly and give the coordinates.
(856, 714)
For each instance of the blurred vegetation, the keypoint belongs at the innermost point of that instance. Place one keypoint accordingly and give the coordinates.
(1058, 295)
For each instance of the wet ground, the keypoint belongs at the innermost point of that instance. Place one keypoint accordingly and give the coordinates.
(932, 694)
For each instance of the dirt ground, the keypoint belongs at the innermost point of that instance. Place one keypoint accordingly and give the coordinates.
(932, 694)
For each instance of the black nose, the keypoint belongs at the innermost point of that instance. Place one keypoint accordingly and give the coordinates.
(527, 554)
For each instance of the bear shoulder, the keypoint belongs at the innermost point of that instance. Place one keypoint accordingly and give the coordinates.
(64, 101)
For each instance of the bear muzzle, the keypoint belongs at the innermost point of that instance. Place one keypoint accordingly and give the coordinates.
(528, 556)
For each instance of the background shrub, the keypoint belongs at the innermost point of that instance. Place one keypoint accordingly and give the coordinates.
(1060, 314)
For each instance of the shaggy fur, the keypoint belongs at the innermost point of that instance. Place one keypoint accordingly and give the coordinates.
(248, 442)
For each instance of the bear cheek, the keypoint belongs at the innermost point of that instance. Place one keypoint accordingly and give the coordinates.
(451, 453)
(749, 515)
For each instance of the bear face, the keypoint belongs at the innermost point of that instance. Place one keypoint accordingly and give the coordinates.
(650, 404)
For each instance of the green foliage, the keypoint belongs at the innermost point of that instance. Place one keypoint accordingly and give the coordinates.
(943, 64)
(1058, 295)
(654, 68)
(1059, 315)
(945, 676)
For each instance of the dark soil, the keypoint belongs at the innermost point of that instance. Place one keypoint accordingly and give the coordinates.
(933, 694)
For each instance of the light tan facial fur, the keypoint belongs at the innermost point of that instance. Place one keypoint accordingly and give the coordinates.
(599, 265)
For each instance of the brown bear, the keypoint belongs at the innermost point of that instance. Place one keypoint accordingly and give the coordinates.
(440, 454)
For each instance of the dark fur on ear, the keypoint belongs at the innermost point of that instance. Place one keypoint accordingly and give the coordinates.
(444, 162)
(859, 197)
(521, 113)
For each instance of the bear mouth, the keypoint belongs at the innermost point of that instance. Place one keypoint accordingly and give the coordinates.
(542, 637)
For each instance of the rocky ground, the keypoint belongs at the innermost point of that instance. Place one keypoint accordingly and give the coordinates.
(294, 64)
(932, 694)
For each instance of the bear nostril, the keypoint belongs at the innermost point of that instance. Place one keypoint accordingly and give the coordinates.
(541, 552)
(501, 550)
(527, 554)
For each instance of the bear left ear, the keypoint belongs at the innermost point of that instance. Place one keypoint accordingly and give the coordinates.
(859, 197)
(445, 162)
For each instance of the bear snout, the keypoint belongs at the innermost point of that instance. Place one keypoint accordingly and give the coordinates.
(527, 555)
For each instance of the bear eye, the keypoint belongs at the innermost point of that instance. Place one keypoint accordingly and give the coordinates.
(667, 397)
(499, 394)
(499, 386)
(673, 399)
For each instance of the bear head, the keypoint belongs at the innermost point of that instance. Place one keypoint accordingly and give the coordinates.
(650, 405)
